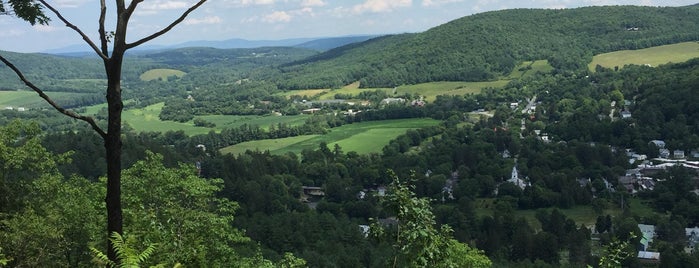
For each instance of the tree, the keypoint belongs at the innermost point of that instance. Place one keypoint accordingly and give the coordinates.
(418, 241)
(32, 11)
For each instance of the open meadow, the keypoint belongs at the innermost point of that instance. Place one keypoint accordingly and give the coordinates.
(29, 99)
(364, 137)
(653, 56)
(147, 120)
(161, 74)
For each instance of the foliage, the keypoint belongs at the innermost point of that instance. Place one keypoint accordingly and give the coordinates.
(417, 240)
(28, 10)
(489, 45)
(616, 252)
(128, 257)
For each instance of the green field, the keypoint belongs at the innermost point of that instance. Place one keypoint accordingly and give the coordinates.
(28, 99)
(231, 121)
(364, 137)
(263, 145)
(529, 68)
(653, 56)
(162, 74)
(580, 214)
(147, 120)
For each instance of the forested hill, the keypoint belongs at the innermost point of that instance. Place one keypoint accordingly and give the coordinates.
(487, 45)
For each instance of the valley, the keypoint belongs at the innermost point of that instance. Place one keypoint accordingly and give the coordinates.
(541, 138)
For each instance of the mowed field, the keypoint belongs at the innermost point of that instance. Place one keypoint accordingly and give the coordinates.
(653, 56)
(28, 99)
(162, 74)
(364, 137)
(147, 120)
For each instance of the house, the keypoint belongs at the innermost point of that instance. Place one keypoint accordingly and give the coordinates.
(625, 114)
(516, 180)
(392, 100)
(694, 153)
(629, 183)
(648, 232)
(658, 143)
(310, 111)
(678, 154)
(664, 153)
(313, 191)
(649, 257)
(692, 239)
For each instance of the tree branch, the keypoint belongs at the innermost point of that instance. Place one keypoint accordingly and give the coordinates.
(166, 29)
(48, 99)
(70, 25)
(102, 31)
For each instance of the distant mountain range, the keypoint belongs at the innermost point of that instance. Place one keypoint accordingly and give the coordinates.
(320, 44)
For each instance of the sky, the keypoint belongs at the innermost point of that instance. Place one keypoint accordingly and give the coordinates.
(268, 19)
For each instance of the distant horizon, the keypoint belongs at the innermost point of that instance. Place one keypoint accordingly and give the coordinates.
(78, 47)
(270, 20)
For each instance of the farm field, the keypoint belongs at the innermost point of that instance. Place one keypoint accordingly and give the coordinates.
(263, 145)
(162, 74)
(147, 120)
(653, 56)
(364, 137)
(28, 99)
(231, 121)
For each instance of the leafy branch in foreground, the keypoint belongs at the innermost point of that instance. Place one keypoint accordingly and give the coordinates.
(417, 241)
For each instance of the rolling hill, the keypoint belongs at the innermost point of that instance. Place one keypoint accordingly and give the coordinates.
(488, 45)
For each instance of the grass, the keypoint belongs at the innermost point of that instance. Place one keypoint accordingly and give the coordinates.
(310, 93)
(147, 120)
(653, 56)
(232, 121)
(263, 145)
(364, 137)
(162, 74)
(29, 99)
(580, 214)
(529, 68)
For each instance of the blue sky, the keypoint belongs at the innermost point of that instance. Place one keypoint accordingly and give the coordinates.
(270, 19)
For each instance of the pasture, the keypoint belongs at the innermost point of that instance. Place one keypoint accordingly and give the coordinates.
(653, 56)
(161, 74)
(364, 137)
(147, 120)
(29, 99)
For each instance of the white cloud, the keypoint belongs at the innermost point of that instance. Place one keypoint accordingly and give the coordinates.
(377, 6)
(11, 33)
(45, 28)
(70, 3)
(427, 3)
(205, 20)
(313, 3)
(164, 5)
(256, 2)
(277, 16)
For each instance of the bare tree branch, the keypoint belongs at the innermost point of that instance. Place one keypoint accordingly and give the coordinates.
(102, 31)
(166, 29)
(48, 99)
(70, 25)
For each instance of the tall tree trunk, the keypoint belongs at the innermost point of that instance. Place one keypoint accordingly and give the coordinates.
(112, 144)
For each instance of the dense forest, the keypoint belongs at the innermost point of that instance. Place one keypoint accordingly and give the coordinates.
(531, 174)
(485, 46)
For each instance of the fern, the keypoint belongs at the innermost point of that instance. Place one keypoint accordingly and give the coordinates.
(127, 256)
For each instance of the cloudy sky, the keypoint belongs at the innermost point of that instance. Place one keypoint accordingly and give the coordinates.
(271, 19)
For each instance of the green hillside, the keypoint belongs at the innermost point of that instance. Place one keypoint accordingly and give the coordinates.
(489, 45)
